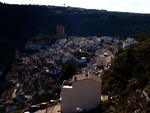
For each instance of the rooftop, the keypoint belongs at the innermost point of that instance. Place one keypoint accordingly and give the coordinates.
(86, 76)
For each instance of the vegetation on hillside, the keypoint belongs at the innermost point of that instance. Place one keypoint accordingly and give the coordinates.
(68, 71)
(128, 79)
(20, 22)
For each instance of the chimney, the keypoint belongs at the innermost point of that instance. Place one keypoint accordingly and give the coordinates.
(86, 75)
(75, 78)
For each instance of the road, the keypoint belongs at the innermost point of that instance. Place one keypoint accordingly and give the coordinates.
(54, 109)
(41, 111)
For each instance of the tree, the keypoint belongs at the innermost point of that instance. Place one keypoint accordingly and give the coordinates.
(121, 62)
(68, 71)
(120, 50)
(142, 38)
(139, 72)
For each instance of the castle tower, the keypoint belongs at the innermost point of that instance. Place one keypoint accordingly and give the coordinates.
(16, 54)
(60, 31)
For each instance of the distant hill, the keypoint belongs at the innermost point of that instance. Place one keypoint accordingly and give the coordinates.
(128, 80)
(20, 22)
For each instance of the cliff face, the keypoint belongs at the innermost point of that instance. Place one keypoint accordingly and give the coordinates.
(127, 81)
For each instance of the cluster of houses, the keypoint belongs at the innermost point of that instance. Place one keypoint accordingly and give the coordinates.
(38, 42)
(41, 71)
(128, 42)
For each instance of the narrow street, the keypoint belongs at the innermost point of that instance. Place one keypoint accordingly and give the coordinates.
(41, 111)
(54, 109)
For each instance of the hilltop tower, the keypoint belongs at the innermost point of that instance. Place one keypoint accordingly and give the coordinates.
(60, 31)
(16, 54)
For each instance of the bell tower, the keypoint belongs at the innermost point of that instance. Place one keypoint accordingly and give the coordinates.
(16, 54)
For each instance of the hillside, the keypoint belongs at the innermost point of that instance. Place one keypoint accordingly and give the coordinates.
(20, 22)
(127, 81)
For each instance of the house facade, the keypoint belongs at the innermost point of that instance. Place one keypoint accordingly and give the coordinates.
(103, 60)
(83, 92)
(129, 42)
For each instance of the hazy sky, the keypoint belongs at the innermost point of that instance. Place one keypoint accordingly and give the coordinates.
(139, 6)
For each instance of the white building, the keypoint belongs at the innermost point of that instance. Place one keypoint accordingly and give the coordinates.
(116, 41)
(107, 39)
(65, 59)
(76, 40)
(103, 60)
(82, 92)
(128, 42)
(98, 41)
(80, 60)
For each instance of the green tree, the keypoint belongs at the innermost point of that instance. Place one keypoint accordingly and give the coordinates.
(121, 62)
(142, 38)
(68, 71)
(139, 72)
(120, 50)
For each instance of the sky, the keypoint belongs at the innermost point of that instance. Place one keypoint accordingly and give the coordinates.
(137, 6)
